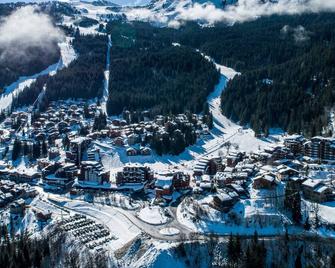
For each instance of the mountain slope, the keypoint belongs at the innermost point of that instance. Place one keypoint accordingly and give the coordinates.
(288, 74)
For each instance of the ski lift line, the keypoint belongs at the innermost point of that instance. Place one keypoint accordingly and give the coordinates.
(30, 108)
(219, 146)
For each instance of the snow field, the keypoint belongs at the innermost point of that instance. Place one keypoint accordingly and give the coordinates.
(152, 215)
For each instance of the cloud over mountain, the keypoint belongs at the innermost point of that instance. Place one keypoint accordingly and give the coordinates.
(175, 13)
(25, 29)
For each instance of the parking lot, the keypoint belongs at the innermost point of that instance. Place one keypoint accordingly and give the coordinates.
(87, 231)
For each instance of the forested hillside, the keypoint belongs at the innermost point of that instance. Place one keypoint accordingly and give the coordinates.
(148, 72)
(15, 63)
(81, 79)
(288, 79)
(34, 61)
(287, 65)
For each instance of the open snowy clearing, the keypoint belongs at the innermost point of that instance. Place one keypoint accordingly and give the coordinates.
(325, 211)
(152, 215)
(244, 218)
(169, 231)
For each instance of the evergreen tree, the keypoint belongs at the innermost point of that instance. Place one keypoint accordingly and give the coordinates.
(25, 149)
(36, 150)
(100, 122)
(293, 202)
(238, 248)
(297, 263)
(83, 131)
(16, 149)
(44, 149)
(231, 249)
(86, 111)
(307, 225)
(66, 142)
(210, 120)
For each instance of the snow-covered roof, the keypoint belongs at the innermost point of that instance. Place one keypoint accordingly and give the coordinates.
(163, 181)
(321, 188)
(311, 183)
(79, 140)
(269, 178)
(237, 187)
(223, 197)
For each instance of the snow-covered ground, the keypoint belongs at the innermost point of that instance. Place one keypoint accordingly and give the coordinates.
(260, 212)
(153, 215)
(236, 221)
(67, 55)
(169, 231)
(326, 211)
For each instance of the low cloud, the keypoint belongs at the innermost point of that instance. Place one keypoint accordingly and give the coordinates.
(243, 10)
(246, 10)
(24, 29)
(299, 33)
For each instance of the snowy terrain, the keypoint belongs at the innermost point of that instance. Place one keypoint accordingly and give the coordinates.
(152, 215)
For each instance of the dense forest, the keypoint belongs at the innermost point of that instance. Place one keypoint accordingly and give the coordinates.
(22, 251)
(148, 72)
(86, 22)
(49, 249)
(36, 58)
(34, 61)
(288, 80)
(84, 76)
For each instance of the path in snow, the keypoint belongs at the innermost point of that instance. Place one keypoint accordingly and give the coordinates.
(224, 129)
(105, 92)
(67, 55)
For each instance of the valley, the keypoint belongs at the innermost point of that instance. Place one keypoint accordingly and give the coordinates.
(152, 144)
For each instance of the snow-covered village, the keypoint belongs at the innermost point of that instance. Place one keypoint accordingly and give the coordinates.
(102, 166)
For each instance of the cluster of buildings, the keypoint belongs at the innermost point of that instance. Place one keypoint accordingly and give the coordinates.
(14, 195)
(66, 157)
(163, 184)
(298, 162)
(317, 148)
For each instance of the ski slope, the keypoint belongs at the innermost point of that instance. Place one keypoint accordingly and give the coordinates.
(105, 92)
